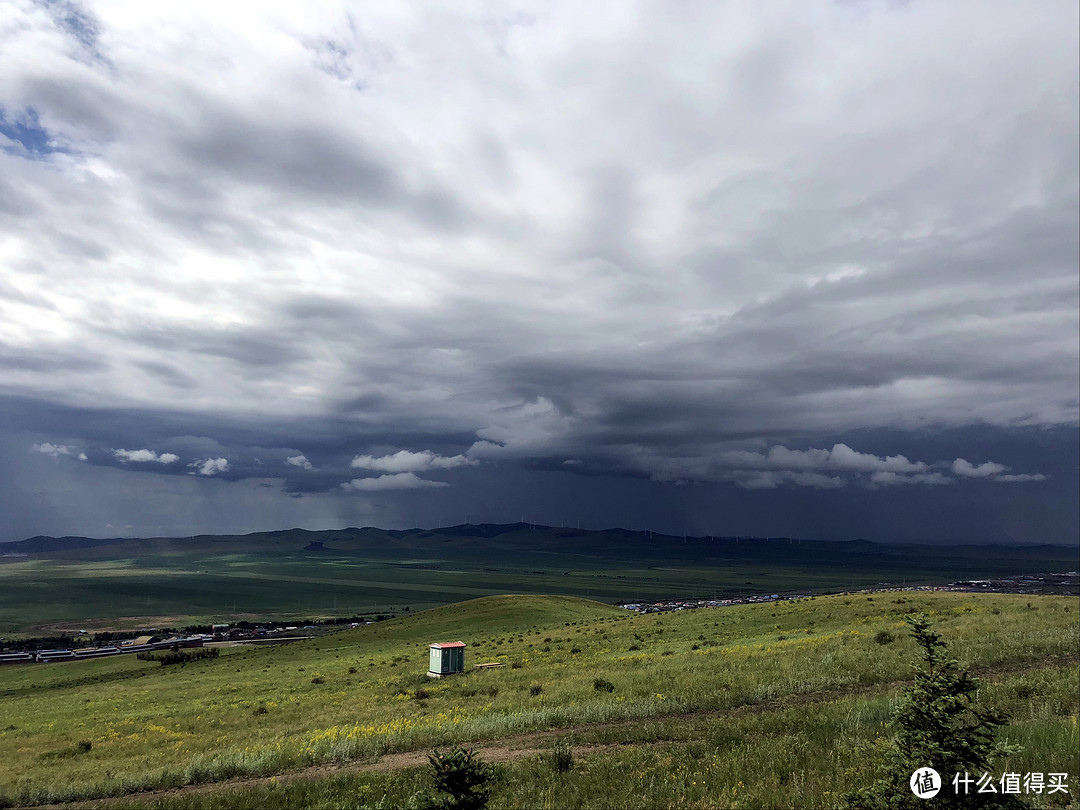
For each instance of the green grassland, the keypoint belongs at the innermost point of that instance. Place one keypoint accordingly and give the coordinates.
(769, 704)
(273, 575)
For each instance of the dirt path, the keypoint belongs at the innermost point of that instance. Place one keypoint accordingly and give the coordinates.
(535, 743)
(507, 750)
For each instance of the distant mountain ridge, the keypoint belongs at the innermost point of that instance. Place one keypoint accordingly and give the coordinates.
(43, 543)
(534, 537)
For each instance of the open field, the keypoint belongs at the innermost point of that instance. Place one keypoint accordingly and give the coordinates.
(779, 704)
(276, 575)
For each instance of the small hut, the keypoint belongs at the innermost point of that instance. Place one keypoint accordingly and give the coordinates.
(447, 658)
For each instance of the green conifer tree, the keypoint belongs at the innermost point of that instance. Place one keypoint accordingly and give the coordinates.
(462, 778)
(938, 726)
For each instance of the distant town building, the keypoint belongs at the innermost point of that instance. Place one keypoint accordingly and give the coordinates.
(447, 658)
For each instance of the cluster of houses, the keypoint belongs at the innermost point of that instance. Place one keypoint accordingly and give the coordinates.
(146, 643)
(1066, 582)
(152, 641)
(666, 605)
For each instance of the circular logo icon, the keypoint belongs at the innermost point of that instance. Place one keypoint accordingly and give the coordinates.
(925, 783)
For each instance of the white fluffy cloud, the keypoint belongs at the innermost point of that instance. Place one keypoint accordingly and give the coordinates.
(145, 456)
(405, 480)
(966, 469)
(405, 461)
(300, 461)
(992, 471)
(211, 466)
(57, 450)
(841, 457)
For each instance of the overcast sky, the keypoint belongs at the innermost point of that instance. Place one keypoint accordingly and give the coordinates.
(754, 267)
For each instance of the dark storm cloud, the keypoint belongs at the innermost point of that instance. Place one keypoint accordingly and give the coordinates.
(249, 348)
(60, 361)
(720, 250)
(287, 155)
(492, 491)
(169, 374)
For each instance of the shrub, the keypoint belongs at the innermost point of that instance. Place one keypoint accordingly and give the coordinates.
(421, 694)
(85, 745)
(317, 679)
(603, 685)
(260, 710)
(634, 647)
(575, 650)
(535, 689)
(463, 777)
(884, 637)
(562, 757)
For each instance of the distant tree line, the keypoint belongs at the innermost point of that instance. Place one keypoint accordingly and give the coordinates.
(179, 656)
(67, 640)
(277, 625)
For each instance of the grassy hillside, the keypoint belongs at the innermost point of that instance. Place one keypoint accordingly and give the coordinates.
(768, 704)
(63, 584)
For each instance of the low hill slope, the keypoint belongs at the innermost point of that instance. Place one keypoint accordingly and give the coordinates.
(496, 614)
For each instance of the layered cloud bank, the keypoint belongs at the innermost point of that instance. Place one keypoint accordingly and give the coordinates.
(371, 253)
(778, 465)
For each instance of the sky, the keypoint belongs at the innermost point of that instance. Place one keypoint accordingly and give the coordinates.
(781, 268)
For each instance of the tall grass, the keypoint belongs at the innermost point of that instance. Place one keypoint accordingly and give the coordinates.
(353, 695)
(804, 756)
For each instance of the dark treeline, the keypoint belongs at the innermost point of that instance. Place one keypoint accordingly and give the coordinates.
(179, 656)
(278, 625)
